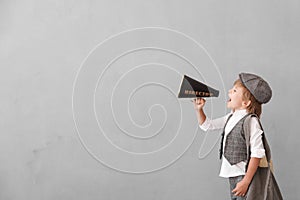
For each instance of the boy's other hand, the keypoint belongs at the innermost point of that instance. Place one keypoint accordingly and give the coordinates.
(199, 103)
(241, 188)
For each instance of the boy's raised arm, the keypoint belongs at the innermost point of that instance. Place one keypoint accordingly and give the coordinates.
(198, 105)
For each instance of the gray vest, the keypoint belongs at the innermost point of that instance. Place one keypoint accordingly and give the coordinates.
(235, 149)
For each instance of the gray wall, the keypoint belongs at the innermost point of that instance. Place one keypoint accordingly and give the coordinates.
(77, 124)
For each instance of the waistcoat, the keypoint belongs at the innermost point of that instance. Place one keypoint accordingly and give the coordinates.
(235, 149)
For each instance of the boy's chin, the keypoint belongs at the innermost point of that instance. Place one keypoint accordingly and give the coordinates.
(230, 107)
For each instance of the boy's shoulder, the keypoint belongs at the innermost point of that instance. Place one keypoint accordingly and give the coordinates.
(254, 119)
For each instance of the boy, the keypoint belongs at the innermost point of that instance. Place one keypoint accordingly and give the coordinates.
(248, 94)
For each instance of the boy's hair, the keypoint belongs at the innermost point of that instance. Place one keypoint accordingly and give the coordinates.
(255, 106)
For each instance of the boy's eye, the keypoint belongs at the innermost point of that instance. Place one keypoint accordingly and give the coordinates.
(234, 90)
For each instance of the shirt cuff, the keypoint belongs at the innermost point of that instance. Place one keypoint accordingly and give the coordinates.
(258, 153)
(205, 125)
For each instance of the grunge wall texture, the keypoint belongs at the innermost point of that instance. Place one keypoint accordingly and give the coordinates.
(43, 44)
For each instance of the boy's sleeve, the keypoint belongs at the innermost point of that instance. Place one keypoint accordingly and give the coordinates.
(256, 143)
(206, 124)
(214, 124)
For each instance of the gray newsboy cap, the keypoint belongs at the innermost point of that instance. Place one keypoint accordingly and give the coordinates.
(257, 86)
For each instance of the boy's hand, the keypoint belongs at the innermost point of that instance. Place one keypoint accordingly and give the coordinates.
(241, 188)
(199, 103)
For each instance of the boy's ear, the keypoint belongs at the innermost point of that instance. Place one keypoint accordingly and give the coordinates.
(247, 103)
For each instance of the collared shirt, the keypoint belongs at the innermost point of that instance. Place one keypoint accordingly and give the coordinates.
(256, 144)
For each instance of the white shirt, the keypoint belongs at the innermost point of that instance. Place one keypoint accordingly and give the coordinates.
(256, 144)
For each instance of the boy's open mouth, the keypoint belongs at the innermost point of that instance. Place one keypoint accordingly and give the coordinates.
(229, 100)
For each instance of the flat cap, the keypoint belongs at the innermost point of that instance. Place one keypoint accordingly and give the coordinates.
(257, 86)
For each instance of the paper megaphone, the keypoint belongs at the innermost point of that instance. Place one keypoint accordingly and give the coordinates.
(191, 88)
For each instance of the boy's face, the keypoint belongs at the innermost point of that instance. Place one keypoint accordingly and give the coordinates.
(235, 101)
